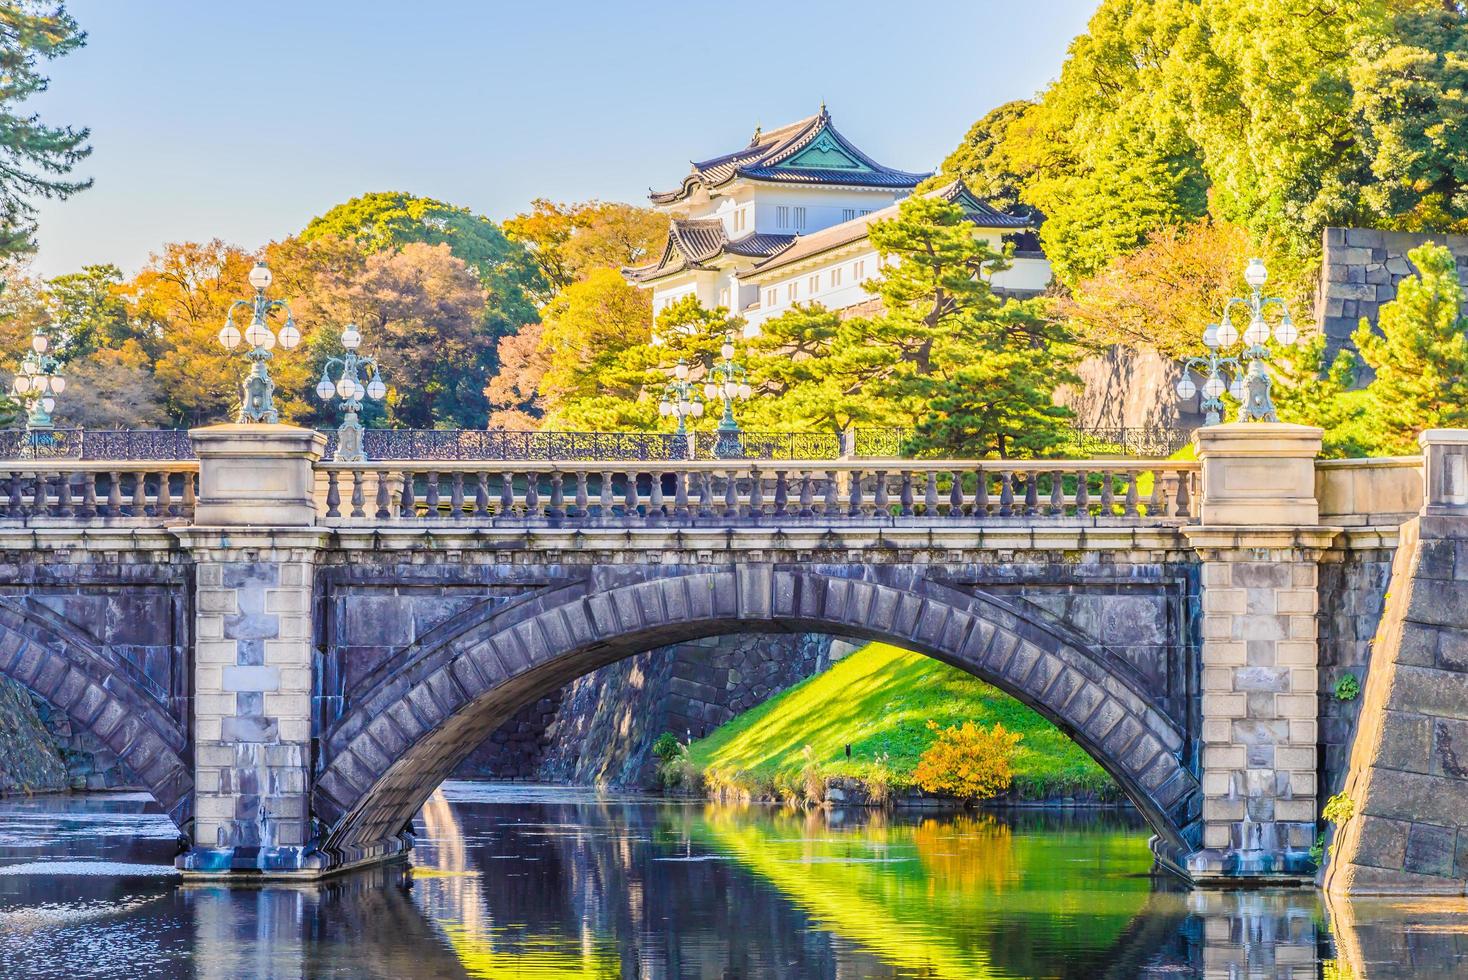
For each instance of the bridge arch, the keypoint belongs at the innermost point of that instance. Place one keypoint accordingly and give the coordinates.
(102, 694)
(427, 708)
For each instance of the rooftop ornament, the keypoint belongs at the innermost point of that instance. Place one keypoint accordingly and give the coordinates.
(1251, 383)
(258, 402)
(38, 382)
(348, 387)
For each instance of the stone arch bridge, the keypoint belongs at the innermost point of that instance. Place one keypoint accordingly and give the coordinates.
(291, 654)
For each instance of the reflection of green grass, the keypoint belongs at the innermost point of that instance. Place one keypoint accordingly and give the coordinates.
(948, 897)
(879, 700)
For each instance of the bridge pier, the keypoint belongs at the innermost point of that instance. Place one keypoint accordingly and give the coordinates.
(1260, 544)
(253, 660)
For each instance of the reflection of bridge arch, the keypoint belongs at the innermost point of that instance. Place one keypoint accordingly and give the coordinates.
(102, 694)
(431, 705)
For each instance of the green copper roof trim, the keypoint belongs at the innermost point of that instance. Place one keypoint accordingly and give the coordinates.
(825, 153)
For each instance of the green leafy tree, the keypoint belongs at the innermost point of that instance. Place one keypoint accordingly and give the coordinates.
(980, 162)
(35, 159)
(89, 307)
(391, 220)
(1420, 355)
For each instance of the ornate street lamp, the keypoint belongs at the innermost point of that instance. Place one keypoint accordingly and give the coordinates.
(730, 388)
(1251, 382)
(258, 403)
(681, 399)
(349, 388)
(38, 382)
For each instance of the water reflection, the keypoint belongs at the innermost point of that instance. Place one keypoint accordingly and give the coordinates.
(531, 883)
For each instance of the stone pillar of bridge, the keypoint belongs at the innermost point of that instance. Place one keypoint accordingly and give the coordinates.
(254, 548)
(1260, 541)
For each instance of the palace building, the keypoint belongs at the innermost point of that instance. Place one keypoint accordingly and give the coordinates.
(784, 220)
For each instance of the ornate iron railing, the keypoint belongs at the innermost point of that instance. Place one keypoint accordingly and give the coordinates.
(96, 444)
(1154, 441)
(595, 493)
(474, 444)
(767, 445)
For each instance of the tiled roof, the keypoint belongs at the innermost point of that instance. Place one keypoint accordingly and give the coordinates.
(691, 243)
(773, 157)
(855, 230)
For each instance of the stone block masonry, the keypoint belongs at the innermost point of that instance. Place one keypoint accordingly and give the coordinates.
(1360, 272)
(252, 713)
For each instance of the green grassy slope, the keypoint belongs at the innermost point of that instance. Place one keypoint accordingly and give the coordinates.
(879, 699)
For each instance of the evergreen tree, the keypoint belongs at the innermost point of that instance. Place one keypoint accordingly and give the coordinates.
(1420, 355)
(35, 158)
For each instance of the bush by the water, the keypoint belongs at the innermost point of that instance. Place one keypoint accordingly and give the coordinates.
(879, 701)
(968, 761)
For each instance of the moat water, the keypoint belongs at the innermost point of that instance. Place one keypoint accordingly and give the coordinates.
(541, 882)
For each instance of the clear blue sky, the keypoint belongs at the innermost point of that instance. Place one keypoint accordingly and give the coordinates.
(243, 120)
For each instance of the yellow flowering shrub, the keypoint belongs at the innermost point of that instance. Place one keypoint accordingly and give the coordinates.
(968, 761)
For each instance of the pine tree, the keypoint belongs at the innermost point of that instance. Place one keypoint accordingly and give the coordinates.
(1421, 354)
(35, 159)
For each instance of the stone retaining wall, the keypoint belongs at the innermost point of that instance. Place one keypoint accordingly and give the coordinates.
(1360, 270)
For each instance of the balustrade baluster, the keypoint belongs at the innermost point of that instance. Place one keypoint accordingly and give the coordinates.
(63, 495)
(955, 494)
(532, 495)
(731, 494)
(507, 494)
(782, 493)
(41, 495)
(1083, 494)
(904, 495)
(1108, 494)
(558, 495)
(140, 494)
(655, 494)
(1180, 500)
(631, 500)
(1157, 503)
(605, 509)
(456, 496)
(854, 496)
(89, 492)
(17, 499)
(881, 503)
(409, 506)
(189, 492)
(756, 493)
(384, 495)
(1131, 494)
(705, 494)
(981, 494)
(1006, 494)
(481, 494)
(582, 501)
(1032, 492)
(359, 494)
(333, 495)
(833, 495)
(680, 493)
(807, 494)
(430, 498)
(1057, 494)
(165, 494)
(930, 495)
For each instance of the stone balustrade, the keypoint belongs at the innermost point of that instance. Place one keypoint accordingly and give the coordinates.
(151, 492)
(1128, 491)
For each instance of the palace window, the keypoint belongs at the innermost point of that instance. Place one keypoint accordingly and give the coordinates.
(859, 269)
(835, 277)
(739, 219)
(815, 284)
(782, 217)
(848, 214)
(792, 292)
(724, 297)
(770, 297)
(800, 219)
(864, 212)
